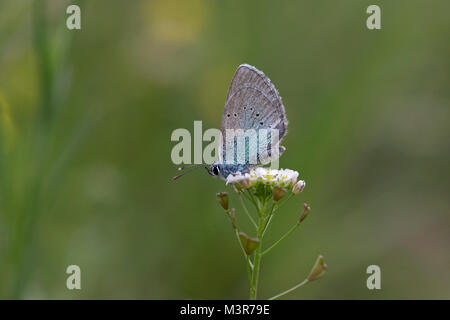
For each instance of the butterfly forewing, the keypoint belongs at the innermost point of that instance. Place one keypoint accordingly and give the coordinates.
(252, 102)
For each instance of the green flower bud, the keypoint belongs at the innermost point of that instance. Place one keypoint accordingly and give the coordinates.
(278, 193)
(222, 197)
(249, 244)
(318, 270)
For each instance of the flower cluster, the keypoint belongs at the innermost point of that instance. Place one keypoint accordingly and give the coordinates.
(283, 178)
(264, 188)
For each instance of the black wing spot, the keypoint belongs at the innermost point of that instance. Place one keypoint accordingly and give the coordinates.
(257, 114)
(235, 114)
(261, 123)
(228, 115)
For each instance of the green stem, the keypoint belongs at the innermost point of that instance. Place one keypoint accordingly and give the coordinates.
(252, 199)
(289, 290)
(236, 231)
(243, 250)
(247, 212)
(246, 257)
(269, 218)
(242, 192)
(258, 255)
(282, 238)
(284, 201)
(275, 207)
(249, 270)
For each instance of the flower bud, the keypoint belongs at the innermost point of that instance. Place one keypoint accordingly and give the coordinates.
(222, 197)
(245, 183)
(318, 270)
(240, 180)
(249, 244)
(278, 193)
(305, 212)
(298, 187)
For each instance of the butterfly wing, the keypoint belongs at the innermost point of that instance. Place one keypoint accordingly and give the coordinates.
(253, 102)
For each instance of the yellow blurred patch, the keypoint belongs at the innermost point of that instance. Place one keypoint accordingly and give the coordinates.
(176, 22)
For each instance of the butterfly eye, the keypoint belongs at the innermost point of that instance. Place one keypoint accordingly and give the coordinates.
(215, 170)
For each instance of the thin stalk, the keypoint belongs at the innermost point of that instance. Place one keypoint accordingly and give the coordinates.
(236, 231)
(284, 202)
(275, 207)
(282, 238)
(246, 257)
(243, 251)
(247, 212)
(269, 219)
(258, 255)
(249, 270)
(252, 199)
(27, 224)
(290, 290)
(245, 195)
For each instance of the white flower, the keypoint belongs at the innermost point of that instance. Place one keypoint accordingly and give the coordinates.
(239, 178)
(285, 178)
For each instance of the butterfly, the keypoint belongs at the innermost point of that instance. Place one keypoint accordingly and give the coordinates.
(252, 103)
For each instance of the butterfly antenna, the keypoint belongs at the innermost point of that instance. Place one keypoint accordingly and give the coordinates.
(188, 166)
(190, 169)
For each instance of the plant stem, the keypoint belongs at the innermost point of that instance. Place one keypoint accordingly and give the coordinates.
(258, 255)
(249, 270)
(236, 231)
(269, 219)
(243, 250)
(280, 205)
(252, 199)
(275, 207)
(282, 238)
(246, 211)
(289, 290)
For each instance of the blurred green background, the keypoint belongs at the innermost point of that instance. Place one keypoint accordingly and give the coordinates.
(86, 118)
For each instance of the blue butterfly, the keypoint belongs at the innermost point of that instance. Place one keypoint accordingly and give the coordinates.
(252, 102)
